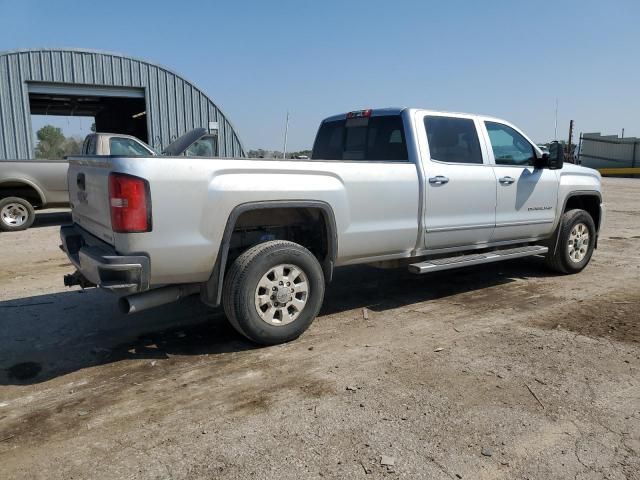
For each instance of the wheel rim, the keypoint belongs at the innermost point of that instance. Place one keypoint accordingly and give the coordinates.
(14, 214)
(578, 244)
(282, 294)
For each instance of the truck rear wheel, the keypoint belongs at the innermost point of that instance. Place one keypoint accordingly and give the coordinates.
(16, 214)
(576, 241)
(273, 292)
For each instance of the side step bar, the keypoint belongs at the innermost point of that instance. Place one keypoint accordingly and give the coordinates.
(439, 264)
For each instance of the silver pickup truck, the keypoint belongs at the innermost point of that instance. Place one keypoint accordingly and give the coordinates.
(391, 187)
(27, 185)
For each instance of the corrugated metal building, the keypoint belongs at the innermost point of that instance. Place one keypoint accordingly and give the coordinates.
(125, 95)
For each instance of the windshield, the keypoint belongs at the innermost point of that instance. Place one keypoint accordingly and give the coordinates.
(127, 147)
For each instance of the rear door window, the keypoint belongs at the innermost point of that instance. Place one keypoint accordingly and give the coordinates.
(367, 139)
(453, 139)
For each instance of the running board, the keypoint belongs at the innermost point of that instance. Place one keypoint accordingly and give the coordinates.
(438, 264)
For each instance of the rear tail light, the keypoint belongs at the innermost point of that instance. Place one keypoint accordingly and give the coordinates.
(130, 203)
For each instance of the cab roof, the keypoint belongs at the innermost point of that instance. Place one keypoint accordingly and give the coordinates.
(378, 112)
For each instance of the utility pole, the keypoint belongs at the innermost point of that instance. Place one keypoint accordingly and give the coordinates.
(578, 161)
(555, 128)
(622, 133)
(570, 137)
(286, 131)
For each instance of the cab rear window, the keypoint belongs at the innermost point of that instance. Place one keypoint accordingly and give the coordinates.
(366, 139)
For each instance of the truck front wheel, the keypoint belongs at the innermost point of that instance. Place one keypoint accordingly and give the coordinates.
(15, 214)
(576, 241)
(273, 292)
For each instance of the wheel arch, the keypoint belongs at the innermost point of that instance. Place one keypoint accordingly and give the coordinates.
(13, 186)
(588, 200)
(211, 294)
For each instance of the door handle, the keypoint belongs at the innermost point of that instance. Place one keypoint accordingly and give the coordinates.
(507, 180)
(438, 180)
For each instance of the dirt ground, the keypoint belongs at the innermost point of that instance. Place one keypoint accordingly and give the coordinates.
(500, 372)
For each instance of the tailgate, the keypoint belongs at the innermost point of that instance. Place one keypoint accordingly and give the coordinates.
(88, 179)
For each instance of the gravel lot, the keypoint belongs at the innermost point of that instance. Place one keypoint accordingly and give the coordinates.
(504, 371)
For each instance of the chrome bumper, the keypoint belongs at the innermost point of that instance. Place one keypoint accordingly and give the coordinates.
(99, 263)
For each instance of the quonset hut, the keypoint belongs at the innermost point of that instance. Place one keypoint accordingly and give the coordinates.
(123, 95)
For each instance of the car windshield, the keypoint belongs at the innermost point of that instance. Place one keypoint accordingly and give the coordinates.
(127, 147)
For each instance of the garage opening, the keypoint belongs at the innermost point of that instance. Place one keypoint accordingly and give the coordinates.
(77, 110)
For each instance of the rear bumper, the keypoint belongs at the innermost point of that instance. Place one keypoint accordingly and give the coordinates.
(99, 263)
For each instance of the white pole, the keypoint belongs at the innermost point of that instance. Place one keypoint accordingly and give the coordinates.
(555, 129)
(286, 131)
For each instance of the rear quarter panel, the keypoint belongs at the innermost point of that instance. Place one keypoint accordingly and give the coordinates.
(48, 177)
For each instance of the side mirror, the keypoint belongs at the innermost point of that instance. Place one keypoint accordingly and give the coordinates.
(542, 161)
(556, 156)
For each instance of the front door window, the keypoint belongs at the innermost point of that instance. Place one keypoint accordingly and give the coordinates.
(509, 147)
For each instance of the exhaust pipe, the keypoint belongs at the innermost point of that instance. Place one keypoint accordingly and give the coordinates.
(154, 298)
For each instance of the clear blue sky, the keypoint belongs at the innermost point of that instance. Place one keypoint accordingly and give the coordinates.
(257, 59)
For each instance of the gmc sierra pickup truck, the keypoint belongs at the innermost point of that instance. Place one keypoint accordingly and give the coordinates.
(391, 187)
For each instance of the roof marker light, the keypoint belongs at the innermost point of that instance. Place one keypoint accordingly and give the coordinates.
(359, 113)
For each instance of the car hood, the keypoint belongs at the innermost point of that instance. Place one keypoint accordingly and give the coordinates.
(570, 168)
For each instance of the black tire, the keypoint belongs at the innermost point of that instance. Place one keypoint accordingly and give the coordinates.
(16, 214)
(561, 261)
(241, 287)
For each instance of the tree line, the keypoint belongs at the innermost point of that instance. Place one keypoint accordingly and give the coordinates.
(53, 145)
(261, 153)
